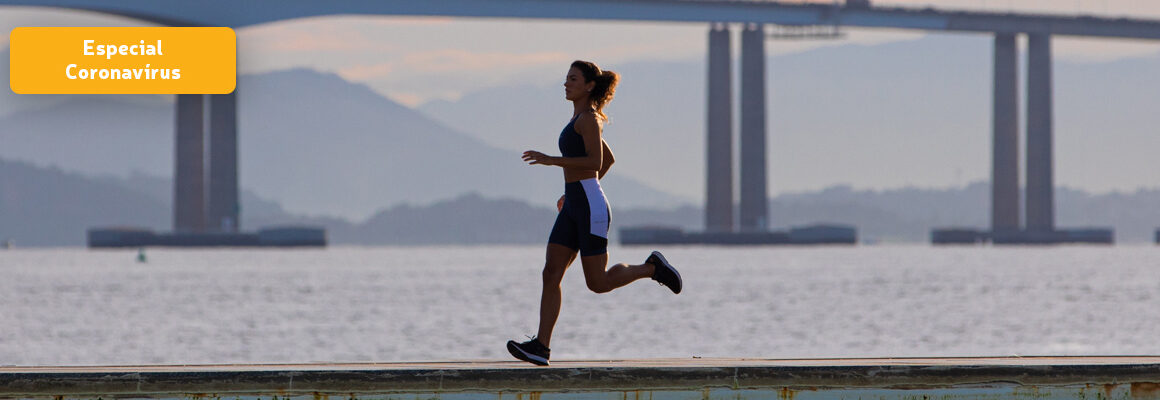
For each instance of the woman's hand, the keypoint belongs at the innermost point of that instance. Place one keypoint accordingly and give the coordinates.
(534, 157)
(560, 204)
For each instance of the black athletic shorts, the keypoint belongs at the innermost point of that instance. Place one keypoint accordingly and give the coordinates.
(583, 222)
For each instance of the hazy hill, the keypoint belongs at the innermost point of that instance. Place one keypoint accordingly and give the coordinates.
(908, 214)
(315, 143)
(49, 207)
(256, 210)
(466, 219)
(326, 149)
(891, 115)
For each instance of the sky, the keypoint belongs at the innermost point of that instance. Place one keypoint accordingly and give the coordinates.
(414, 60)
(444, 58)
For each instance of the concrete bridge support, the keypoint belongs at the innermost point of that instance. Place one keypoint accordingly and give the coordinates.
(189, 171)
(223, 207)
(1005, 140)
(719, 134)
(754, 196)
(1040, 185)
(206, 195)
(1039, 226)
(719, 160)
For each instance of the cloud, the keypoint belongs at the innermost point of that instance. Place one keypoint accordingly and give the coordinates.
(311, 37)
(410, 21)
(454, 61)
(447, 74)
(408, 99)
(365, 72)
(459, 60)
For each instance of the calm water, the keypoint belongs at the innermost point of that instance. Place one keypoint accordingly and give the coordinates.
(74, 306)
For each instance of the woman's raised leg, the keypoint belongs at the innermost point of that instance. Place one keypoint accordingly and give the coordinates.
(602, 280)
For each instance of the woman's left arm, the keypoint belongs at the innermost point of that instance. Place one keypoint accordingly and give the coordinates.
(606, 160)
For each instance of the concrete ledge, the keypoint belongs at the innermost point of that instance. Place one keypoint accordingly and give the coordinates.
(1058, 377)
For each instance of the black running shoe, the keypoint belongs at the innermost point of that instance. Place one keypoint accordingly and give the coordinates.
(531, 351)
(664, 272)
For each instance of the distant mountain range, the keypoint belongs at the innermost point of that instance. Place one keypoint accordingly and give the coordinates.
(314, 142)
(50, 207)
(913, 113)
(318, 149)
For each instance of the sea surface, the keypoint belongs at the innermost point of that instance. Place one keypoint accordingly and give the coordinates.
(75, 306)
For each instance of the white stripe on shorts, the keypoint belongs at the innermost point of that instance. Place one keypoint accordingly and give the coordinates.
(597, 207)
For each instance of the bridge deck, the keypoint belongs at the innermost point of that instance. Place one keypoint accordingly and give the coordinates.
(237, 14)
(1055, 377)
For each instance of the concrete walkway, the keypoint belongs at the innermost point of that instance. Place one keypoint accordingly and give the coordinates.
(1057, 377)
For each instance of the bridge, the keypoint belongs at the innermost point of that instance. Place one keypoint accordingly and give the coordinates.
(194, 210)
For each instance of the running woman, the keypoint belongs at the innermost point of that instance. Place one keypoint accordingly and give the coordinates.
(582, 224)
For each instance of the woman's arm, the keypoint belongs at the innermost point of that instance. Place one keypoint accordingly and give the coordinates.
(607, 159)
(589, 130)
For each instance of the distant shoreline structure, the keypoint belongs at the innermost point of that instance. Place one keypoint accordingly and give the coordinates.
(1057, 236)
(286, 236)
(805, 235)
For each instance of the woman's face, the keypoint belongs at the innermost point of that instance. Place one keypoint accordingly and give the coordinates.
(574, 86)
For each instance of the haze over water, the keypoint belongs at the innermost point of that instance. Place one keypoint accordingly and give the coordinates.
(81, 307)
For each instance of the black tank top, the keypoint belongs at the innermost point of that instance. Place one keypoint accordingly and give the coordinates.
(571, 143)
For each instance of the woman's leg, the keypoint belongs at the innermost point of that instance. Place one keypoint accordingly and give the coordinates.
(601, 280)
(558, 259)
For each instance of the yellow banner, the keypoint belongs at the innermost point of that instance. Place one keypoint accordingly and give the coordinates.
(123, 60)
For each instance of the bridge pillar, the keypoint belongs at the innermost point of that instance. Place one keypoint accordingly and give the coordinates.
(754, 198)
(206, 195)
(1005, 139)
(189, 171)
(719, 134)
(223, 163)
(1040, 196)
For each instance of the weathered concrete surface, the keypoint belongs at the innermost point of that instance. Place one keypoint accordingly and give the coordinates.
(1032, 377)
